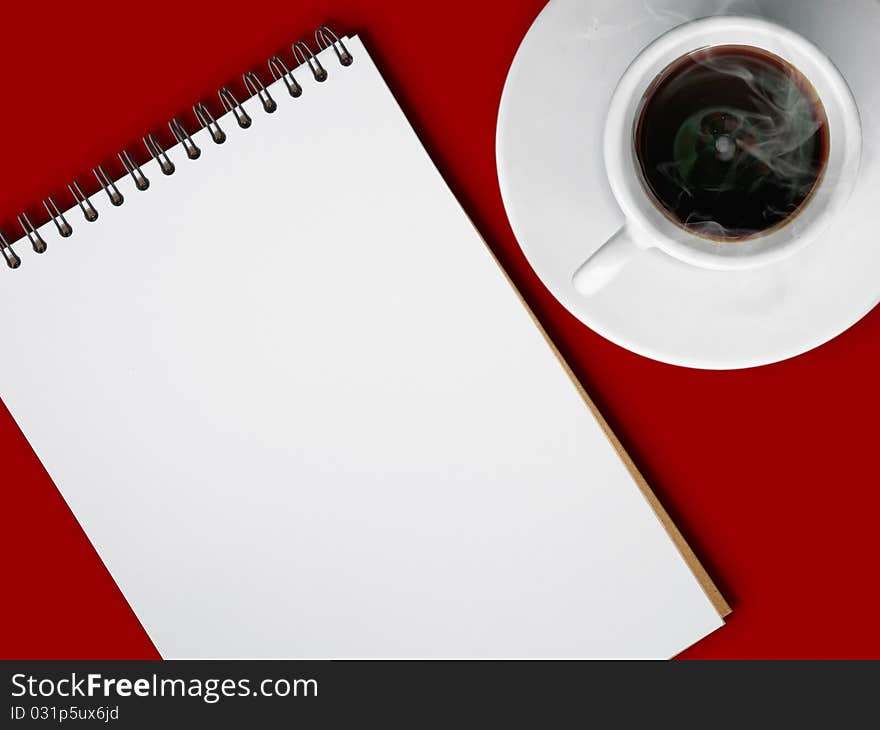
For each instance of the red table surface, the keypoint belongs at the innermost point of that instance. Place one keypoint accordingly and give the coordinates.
(771, 473)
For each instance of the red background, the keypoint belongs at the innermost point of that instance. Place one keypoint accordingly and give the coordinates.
(771, 473)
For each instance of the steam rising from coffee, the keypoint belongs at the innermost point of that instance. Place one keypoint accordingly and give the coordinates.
(732, 141)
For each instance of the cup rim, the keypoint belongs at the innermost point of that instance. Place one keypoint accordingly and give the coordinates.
(650, 226)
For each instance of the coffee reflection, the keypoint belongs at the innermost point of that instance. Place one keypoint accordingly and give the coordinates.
(731, 141)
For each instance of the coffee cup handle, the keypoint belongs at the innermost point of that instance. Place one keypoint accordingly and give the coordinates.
(606, 263)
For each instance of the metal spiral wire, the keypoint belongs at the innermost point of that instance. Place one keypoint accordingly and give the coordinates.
(303, 56)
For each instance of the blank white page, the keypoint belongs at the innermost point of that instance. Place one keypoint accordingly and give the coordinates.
(300, 412)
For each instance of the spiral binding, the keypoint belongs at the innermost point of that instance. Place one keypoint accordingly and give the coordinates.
(303, 55)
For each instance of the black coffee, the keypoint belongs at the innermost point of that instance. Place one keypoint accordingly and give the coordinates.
(731, 141)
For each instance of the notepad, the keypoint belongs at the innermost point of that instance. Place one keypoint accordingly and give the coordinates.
(300, 412)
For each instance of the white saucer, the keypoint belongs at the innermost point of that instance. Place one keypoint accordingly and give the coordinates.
(552, 177)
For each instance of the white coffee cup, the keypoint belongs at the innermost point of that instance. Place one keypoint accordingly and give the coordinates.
(646, 226)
